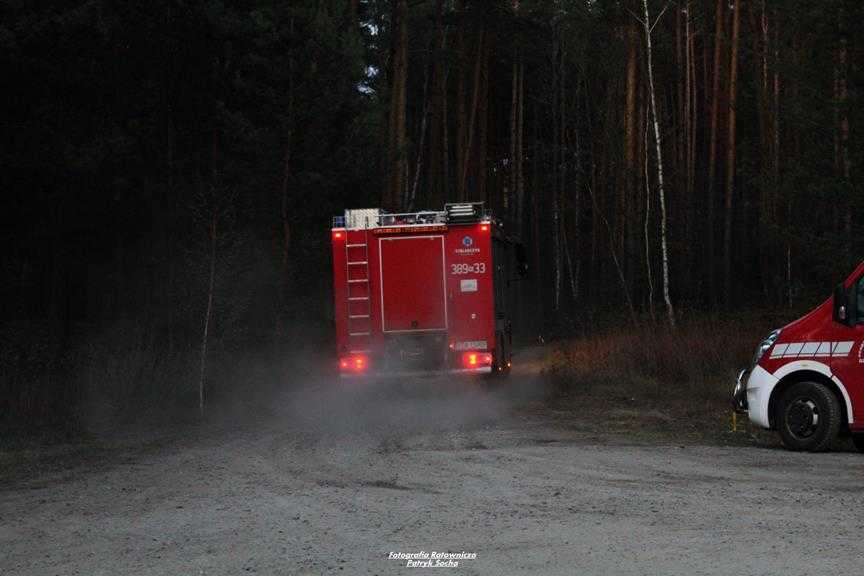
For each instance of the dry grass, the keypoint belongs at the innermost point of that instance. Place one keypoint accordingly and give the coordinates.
(651, 377)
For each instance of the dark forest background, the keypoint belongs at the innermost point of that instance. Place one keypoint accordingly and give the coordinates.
(169, 169)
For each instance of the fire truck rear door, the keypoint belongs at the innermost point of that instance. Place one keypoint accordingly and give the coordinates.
(413, 295)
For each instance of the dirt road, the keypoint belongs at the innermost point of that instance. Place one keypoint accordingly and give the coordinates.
(345, 476)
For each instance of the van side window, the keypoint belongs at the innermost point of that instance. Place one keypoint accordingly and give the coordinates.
(859, 316)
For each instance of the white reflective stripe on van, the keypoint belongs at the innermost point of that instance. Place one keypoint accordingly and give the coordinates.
(812, 350)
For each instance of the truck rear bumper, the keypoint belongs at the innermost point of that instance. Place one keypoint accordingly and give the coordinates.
(417, 373)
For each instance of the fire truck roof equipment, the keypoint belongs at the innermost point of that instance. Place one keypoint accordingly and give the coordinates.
(370, 218)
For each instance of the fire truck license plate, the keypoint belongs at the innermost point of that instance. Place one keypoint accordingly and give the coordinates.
(475, 345)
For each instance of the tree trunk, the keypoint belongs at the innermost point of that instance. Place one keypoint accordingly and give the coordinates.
(285, 194)
(398, 83)
(694, 117)
(475, 100)
(730, 156)
(670, 311)
(795, 134)
(648, 270)
(712, 153)
(214, 219)
(556, 168)
(535, 215)
(687, 158)
(479, 191)
(461, 126)
(576, 183)
(520, 132)
(624, 286)
(437, 175)
(421, 146)
(626, 185)
(775, 113)
(841, 73)
(445, 145)
(286, 242)
(681, 109)
(571, 270)
(768, 204)
(514, 124)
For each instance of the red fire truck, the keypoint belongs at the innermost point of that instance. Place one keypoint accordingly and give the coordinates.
(807, 379)
(422, 292)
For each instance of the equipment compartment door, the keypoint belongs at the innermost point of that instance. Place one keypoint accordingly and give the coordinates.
(413, 295)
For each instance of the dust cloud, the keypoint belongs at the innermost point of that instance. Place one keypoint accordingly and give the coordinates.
(321, 407)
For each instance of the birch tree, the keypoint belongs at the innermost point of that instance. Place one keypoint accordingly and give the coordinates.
(664, 248)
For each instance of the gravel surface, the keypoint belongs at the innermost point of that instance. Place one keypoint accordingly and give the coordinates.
(348, 474)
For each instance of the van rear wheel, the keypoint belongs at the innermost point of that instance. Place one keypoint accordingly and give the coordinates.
(808, 417)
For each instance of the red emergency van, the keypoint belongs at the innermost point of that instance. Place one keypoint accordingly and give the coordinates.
(422, 292)
(807, 379)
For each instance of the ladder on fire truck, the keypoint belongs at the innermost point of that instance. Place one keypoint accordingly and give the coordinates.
(359, 290)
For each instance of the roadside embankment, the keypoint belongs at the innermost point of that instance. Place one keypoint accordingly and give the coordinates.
(654, 379)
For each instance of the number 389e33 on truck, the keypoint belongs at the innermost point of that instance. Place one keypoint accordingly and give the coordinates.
(806, 380)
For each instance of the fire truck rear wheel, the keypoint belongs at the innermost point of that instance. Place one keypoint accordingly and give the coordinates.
(808, 417)
(858, 441)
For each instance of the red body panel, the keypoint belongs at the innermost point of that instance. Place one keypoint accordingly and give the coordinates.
(816, 339)
(470, 287)
(411, 277)
(415, 281)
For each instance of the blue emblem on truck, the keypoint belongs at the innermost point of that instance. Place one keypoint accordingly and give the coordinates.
(467, 241)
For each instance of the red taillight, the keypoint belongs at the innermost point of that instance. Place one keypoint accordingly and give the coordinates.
(337, 235)
(484, 227)
(476, 359)
(354, 363)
